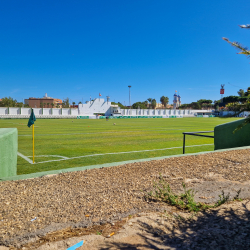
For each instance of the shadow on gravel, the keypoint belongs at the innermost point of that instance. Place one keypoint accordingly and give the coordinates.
(213, 229)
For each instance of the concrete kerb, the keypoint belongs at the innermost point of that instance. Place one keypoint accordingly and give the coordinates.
(105, 165)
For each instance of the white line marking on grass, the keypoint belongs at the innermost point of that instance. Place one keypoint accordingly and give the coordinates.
(60, 156)
(25, 158)
(83, 156)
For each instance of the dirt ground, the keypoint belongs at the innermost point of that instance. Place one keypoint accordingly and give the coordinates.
(58, 211)
(226, 227)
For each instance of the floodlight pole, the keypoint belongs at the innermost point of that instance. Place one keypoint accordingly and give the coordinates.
(129, 99)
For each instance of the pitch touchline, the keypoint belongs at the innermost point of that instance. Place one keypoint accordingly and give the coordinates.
(111, 132)
(83, 156)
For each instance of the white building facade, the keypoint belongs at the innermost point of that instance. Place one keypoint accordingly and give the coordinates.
(95, 109)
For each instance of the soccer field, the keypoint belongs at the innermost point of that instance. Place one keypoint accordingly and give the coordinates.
(66, 143)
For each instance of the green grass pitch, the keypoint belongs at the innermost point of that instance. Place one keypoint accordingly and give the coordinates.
(67, 143)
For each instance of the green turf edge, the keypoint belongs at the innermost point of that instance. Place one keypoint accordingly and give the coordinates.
(105, 165)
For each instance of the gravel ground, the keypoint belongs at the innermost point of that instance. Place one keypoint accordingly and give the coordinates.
(30, 209)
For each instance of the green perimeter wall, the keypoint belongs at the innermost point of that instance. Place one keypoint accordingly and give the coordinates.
(225, 138)
(8, 152)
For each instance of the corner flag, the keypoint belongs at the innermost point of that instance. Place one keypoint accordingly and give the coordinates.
(30, 123)
(32, 118)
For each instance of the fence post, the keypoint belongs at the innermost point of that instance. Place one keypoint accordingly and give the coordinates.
(184, 143)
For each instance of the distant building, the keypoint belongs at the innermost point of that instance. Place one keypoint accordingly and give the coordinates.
(161, 106)
(58, 102)
(176, 101)
(44, 102)
(74, 106)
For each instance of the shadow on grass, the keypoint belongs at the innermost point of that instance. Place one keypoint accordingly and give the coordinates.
(213, 229)
(227, 117)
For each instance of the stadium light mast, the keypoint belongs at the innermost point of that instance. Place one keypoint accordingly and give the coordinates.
(129, 96)
(129, 86)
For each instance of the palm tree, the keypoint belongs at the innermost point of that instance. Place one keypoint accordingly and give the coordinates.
(164, 100)
(243, 50)
(48, 104)
(150, 101)
(146, 103)
(73, 104)
(52, 104)
(153, 103)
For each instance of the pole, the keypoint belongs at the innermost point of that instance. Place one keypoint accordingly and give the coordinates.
(33, 136)
(129, 99)
(184, 143)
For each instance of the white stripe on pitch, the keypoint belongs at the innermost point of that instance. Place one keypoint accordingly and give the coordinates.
(77, 157)
(59, 156)
(25, 158)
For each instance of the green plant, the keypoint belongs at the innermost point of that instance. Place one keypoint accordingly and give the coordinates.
(163, 192)
(188, 198)
(223, 199)
(236, 197)
(98, 233)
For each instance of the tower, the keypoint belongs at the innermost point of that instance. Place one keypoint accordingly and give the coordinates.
(175, 100)
(179, 100)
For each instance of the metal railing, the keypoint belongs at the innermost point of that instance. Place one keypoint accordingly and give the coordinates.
(195, 134)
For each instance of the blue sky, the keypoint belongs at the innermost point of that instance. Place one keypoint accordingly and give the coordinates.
(78, 49)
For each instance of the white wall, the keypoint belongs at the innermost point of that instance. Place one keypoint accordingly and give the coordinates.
(14, 111)
(226, 113)
(97, 106)
(74, 111)
(38, 111)
(25, 111)
(56, 111)
(3, 111)
(47, 111)
(65, 111)
(155, 112)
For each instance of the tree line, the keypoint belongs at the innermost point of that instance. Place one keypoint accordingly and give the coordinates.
(150, 103)
(200, 104)
(10, 102)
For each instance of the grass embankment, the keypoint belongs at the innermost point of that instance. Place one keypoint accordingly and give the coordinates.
(75, 138)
